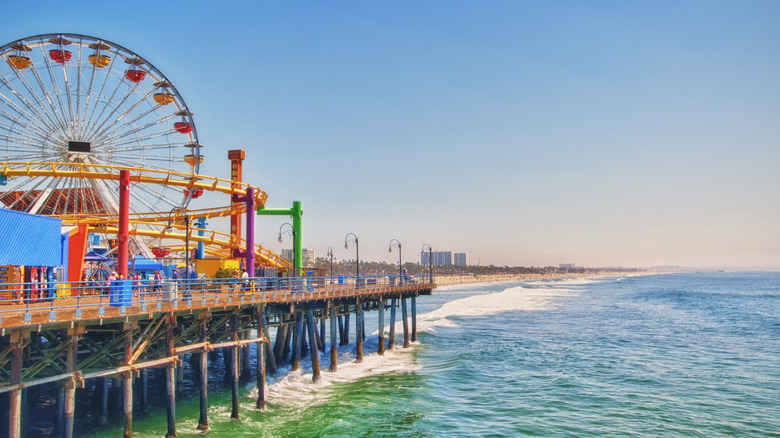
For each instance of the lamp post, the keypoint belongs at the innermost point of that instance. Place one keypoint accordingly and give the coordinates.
(400, 265)
(430, 260)
(354, 238)
(186, 237)
(330, 255)
(291, 232)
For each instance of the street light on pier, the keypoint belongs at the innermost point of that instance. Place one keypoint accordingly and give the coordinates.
(400, 266)
(290, 232)
(354, 238)
(430, 260)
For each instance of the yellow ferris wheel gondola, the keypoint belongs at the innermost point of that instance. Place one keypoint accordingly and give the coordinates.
(19, 60)
(98, 59)
(163, 96)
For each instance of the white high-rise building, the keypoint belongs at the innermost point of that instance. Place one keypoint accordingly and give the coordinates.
(308, 256)
(460, 259)
(440, 258)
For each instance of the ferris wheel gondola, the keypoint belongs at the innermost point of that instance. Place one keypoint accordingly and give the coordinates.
(81, 100)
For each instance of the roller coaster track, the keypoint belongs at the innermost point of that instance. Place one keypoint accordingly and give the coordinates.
(155, 224)
(137, 175)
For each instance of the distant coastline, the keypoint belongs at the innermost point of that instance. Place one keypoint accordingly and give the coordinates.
(448, 279)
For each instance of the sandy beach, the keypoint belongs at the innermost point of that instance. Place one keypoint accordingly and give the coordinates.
(446, 280)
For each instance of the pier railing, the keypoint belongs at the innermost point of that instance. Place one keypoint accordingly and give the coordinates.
(23, 304)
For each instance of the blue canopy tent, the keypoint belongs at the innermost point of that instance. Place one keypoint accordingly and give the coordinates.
(92, 256)
(143, 264)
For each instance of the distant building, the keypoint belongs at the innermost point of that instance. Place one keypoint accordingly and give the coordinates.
(460, 259)
(308, 256)
(440, 258)
(566, 266)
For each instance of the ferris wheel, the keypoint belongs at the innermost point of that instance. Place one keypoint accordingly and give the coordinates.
(89, 103)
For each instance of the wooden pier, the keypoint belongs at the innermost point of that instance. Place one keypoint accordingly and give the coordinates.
(101, 335)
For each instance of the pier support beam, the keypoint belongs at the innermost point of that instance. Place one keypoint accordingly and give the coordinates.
(203, 420)
(127, 380)
(358, 330)
(297, 339)
(15, 406)
(391, 338)
(103, 417)
(246, 366)
(381, 348)
(322, 334)
(170, 381)
(345, 333)
(406, 322)
(315, 353)
(70, 384)
(261, 349)
(414, 319)
(234, 365)
(269, 354)
(334, 353)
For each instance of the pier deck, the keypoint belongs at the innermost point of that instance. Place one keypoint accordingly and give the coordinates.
(122, 331)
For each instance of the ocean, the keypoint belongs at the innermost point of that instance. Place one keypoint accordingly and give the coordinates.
(677, 355)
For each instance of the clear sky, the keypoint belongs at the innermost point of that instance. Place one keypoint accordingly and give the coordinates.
(600, 133)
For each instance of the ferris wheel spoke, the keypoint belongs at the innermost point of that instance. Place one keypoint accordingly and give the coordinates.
(106, 77)
(112, 116)
(34, 116)
(114, 142)
(122, 117)
(21, 130)
(55, 90)
(93, 73)
(124, 130)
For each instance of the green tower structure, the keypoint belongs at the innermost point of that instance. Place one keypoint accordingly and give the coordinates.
(295, 213)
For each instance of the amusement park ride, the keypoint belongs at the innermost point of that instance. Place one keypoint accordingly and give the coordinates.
(76, 112)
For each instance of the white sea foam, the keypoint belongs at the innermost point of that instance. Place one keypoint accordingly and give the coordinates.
(296, 388)
(511, 299)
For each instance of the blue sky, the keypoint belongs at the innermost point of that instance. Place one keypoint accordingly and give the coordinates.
(600, 133)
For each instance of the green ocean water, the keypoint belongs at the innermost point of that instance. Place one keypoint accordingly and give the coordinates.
(656, 355)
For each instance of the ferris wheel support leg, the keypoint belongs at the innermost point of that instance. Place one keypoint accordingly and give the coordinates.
(124, 221)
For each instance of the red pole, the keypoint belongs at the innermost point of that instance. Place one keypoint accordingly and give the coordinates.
(124, 214)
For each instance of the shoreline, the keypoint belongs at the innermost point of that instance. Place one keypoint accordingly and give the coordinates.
(448, 280)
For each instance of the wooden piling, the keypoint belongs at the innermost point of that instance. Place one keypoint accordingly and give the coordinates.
(345, 333)
(70, 384)
(203, 386)
(15, 405)
(144, 389)
(381, 337)
(414, 319)
(127, 381)
(296, 360)
(103, 417)
(170, 381)
(322, 333)
(404, 316)
(315, 353)
(246, 366)
(358, 331)
(261, 349)
(334, 354)
(236, 352)
(269, 354)
(391, 337)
